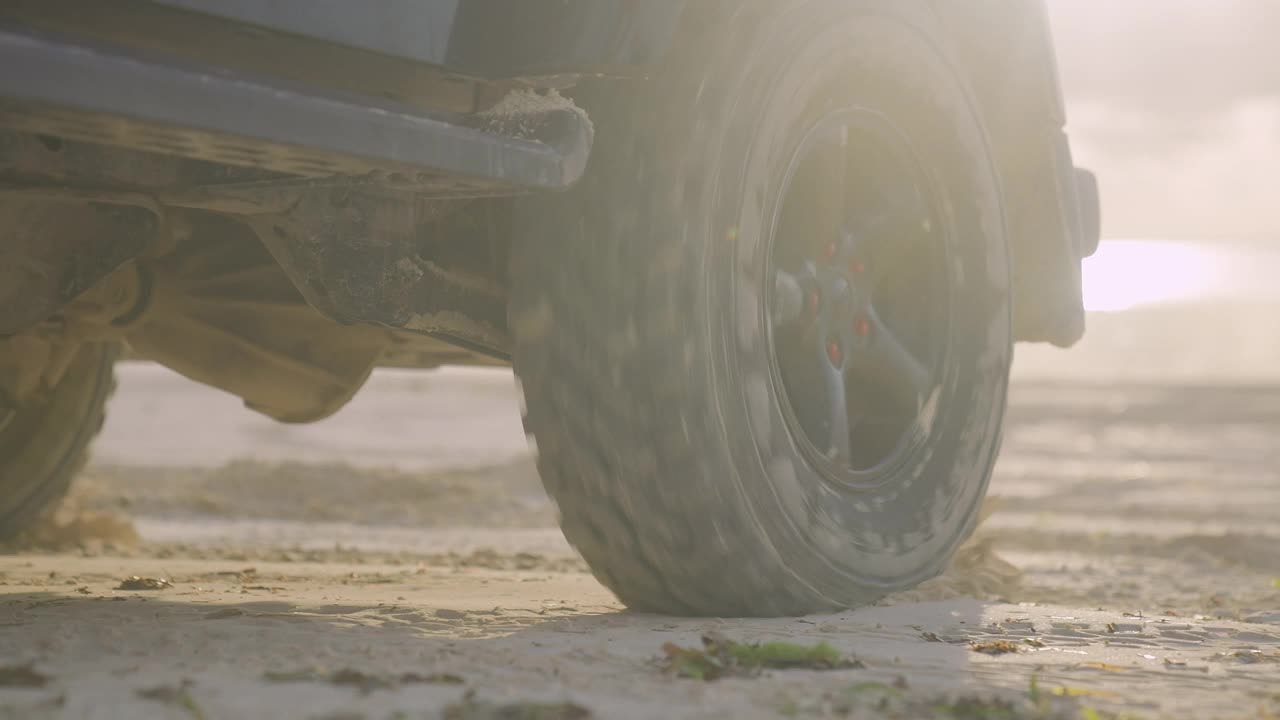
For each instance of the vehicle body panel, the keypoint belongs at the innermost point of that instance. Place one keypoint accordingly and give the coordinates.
(492, 39)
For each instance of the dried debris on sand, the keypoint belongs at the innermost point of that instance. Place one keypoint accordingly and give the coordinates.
(1247, 657)
(22, 676)
(878, 699)
(472, 709)
(721, 657)
(177, 695)
(995, 647)
(363, 681)
(134, 582)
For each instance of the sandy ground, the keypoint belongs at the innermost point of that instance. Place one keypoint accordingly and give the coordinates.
(1131, 560)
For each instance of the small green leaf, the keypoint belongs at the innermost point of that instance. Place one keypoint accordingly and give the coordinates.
(873, 686)
(1065, 691)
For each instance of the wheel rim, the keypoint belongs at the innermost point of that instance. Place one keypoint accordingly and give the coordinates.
(857, 298)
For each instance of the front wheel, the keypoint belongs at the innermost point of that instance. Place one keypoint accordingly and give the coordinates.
(764, 346)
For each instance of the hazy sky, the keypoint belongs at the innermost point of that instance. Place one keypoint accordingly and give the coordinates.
(1176, 104)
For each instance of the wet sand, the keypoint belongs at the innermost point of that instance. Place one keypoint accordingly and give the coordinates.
(1129, 558)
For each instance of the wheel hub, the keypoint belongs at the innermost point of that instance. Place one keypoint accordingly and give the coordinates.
(858, 295)
(843, 318)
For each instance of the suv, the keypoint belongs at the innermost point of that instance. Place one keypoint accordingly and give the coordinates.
(758, 265)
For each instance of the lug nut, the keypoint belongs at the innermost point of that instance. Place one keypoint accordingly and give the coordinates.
(862, 327)
(857, 267)
(833, 352)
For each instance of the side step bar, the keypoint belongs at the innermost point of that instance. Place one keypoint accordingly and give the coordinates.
(110, 96)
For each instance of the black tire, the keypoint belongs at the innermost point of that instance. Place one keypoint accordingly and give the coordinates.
(637, 312)
(43, 447)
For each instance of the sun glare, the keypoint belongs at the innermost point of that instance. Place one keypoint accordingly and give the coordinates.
(1125, 274)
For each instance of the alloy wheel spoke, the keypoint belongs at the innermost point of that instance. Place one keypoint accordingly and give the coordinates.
(892, 363)
(837, 409)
